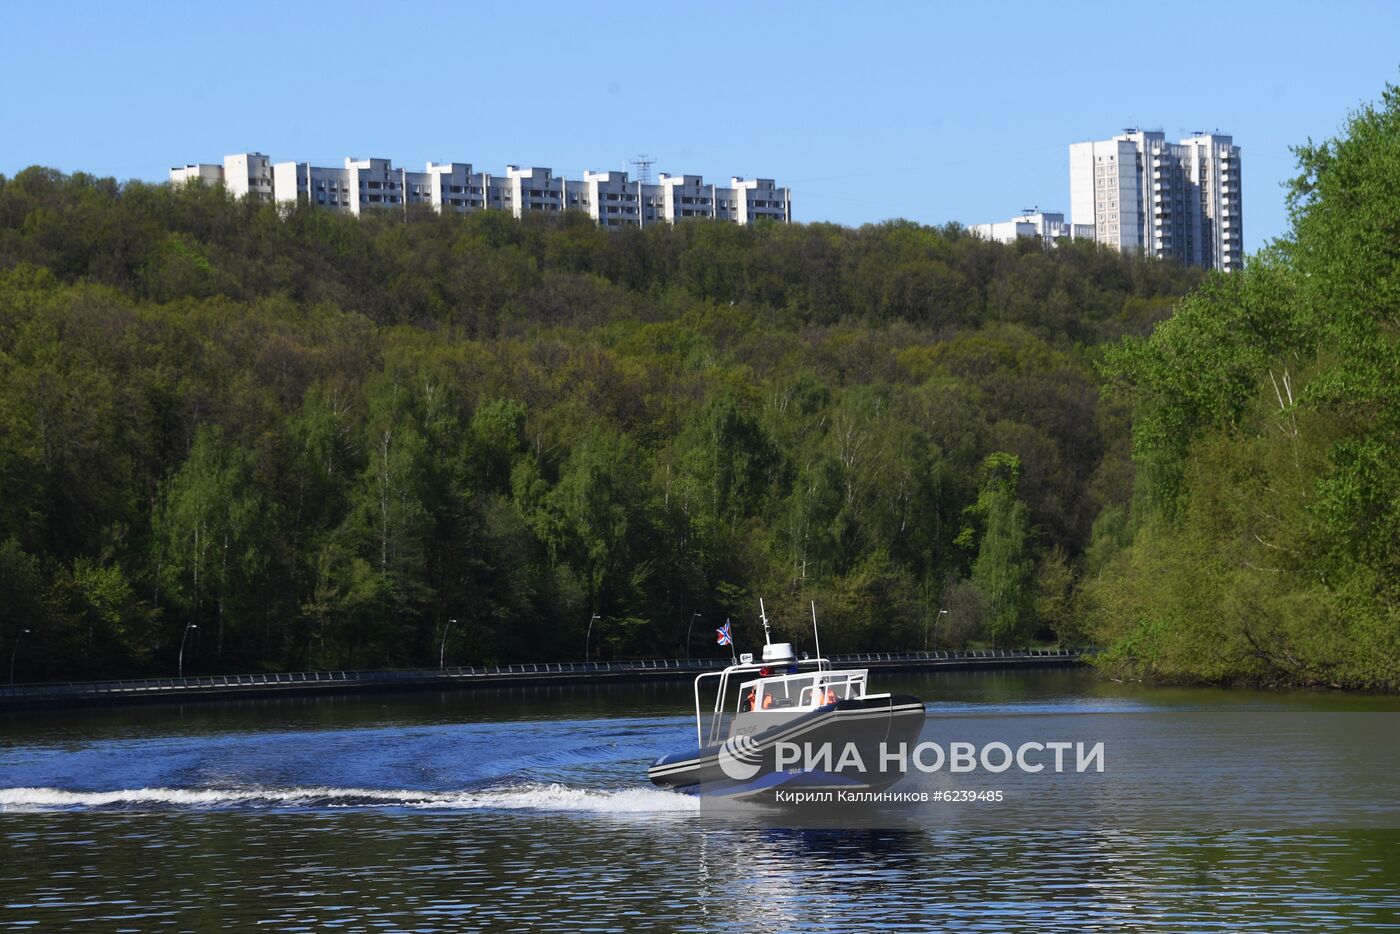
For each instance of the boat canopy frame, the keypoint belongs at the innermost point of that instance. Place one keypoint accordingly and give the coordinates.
(811, 664)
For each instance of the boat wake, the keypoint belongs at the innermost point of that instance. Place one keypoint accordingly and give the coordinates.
(526, 797)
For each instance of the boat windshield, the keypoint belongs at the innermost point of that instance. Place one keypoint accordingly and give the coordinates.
(797, 691)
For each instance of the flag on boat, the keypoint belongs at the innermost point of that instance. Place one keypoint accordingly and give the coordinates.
(723, 635)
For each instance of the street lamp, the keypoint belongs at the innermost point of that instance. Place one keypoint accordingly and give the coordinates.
(589, 635)
(22, 633)
(183, 635)
(688, 630)
(442, 650)
(935, 628)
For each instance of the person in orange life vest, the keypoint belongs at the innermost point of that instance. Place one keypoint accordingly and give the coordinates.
(767, 700)
(747, 705)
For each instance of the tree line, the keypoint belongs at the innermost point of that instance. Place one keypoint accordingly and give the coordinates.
(296, 439)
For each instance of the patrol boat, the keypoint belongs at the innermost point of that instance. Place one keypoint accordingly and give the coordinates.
(785, 723)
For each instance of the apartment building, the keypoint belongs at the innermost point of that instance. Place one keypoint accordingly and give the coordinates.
(610, 198)
(1182, 200)
(205, 173)
(1042, 225)
(244, 173)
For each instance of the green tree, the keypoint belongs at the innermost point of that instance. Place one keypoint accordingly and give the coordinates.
(598, 520)
(210, 531)
(1003, 566)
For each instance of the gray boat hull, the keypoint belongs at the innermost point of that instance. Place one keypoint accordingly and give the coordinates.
(838, 747)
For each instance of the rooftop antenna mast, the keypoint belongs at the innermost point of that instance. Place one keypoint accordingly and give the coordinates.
(816, 635)
(767, 636)
(643, 164)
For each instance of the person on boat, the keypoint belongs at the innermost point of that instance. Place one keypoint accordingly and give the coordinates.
(747, 705)
(767, 700)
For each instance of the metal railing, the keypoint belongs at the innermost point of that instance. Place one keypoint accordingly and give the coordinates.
(220, 683)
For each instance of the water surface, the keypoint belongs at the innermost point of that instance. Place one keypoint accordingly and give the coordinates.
(530, 808)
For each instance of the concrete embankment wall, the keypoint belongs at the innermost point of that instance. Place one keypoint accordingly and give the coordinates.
(225, 687)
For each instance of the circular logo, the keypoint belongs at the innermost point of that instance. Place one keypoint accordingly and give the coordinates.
(740, 758)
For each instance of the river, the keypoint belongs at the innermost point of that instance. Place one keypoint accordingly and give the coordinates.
(529, 808)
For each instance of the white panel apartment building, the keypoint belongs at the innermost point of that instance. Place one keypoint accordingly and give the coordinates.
(610, 198)
(1042, 225)
(1181, 200)
(244, 173)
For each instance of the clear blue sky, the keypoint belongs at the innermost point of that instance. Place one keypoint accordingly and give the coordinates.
(931, 111)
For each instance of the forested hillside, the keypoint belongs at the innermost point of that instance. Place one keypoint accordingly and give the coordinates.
(1265, 531)
(319, 438)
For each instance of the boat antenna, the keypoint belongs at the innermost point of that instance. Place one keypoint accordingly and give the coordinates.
(767, 636)
(816, 635)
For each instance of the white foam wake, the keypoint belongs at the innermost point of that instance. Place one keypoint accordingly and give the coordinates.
(533, 797)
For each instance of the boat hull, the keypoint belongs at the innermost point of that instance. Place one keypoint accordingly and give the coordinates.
(833, 748)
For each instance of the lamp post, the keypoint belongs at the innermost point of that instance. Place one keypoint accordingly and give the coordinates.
(183, 635)
(589, 635)
(442, 649)
(20, 635)
(688, 630)
(935, 628)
